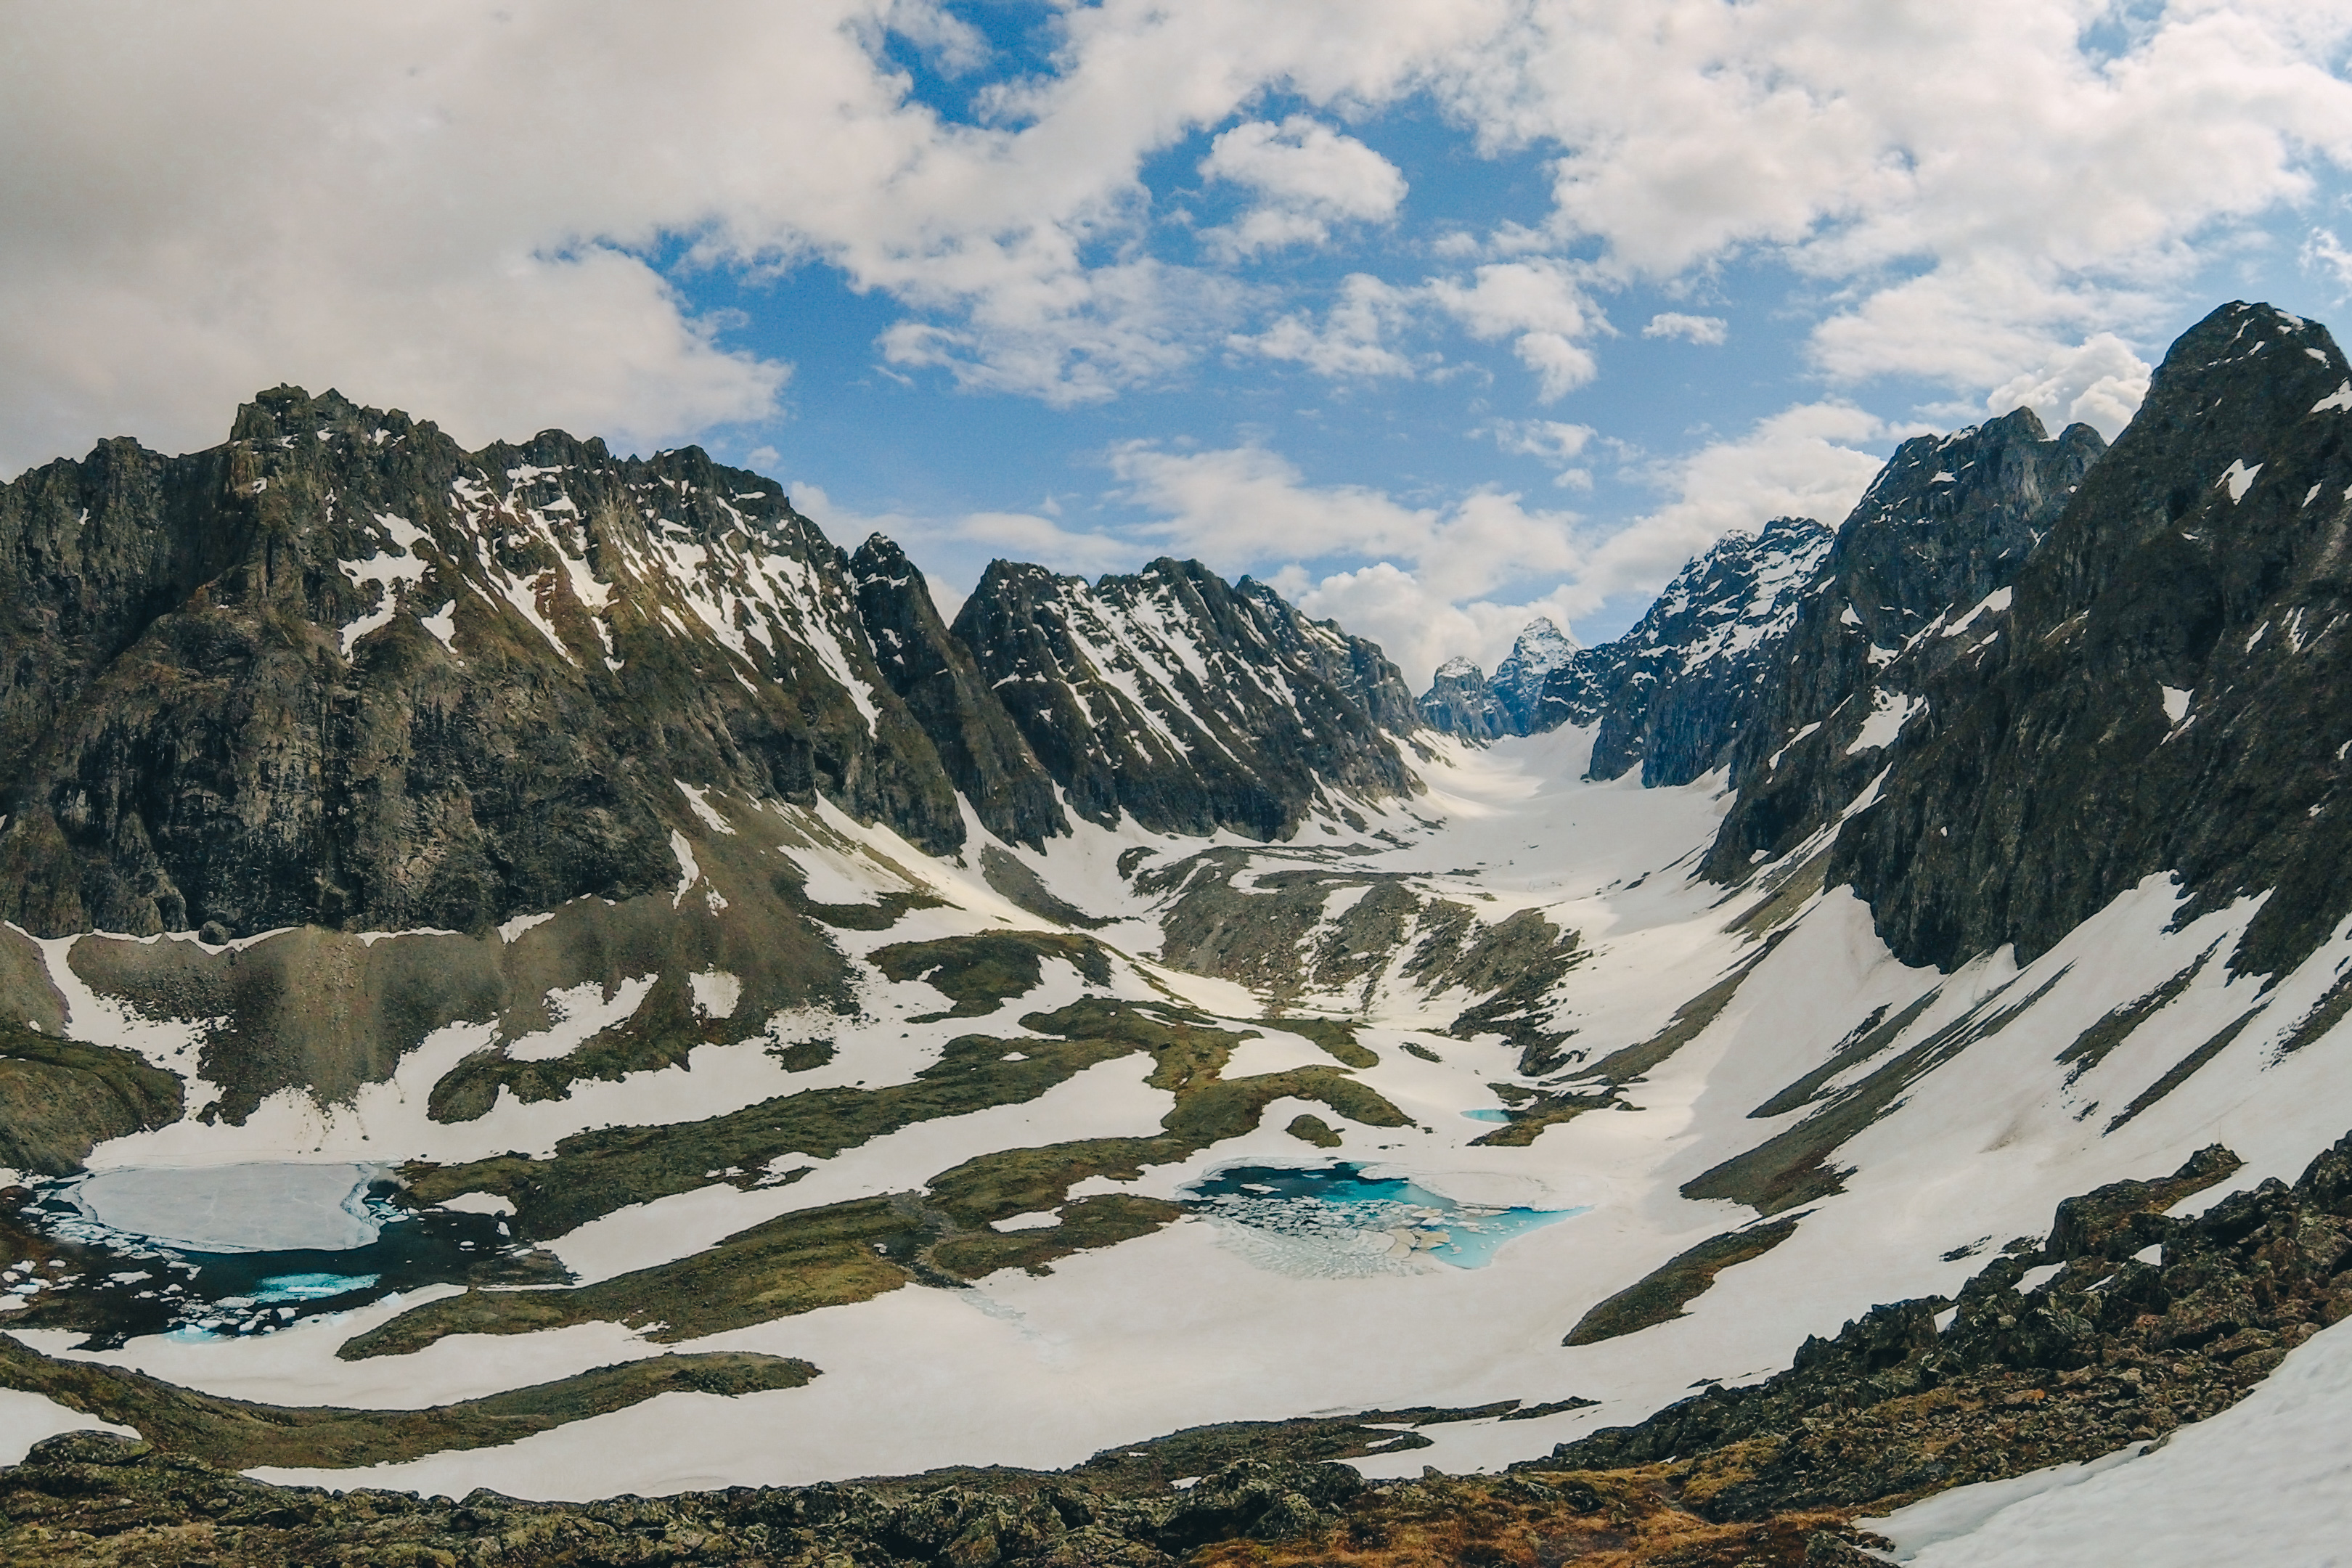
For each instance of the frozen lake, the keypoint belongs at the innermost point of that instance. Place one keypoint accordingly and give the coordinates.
(1347, 1220)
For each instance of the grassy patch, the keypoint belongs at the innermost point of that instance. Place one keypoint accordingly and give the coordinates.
(1660, 1294)
(1546, 1109)
(804, 1055)
(59, 1098)
(1337, 1039)
(1104, 1220)
(2091, 1046)
(592, 1174)
(979, 974)
(238, 1434)
(849, 1252)
(1312, 1129)
(1793, 1167)
(795, 1263)
(1690, 1021)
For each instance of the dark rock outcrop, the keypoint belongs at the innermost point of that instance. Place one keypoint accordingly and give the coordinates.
(340, 672)
(934, 675)
(2148, 1322)
(1675, 693)
(2172, 689)
(1916, 578)
(1187, 702)
(1460, 701)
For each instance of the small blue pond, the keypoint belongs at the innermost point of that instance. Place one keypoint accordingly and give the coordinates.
(1488, 1113)
(1340, 1221)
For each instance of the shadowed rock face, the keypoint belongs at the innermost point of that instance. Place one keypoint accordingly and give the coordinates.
(1459, 701)
(1947, 525)
(2171, 689)
(340, 672)
(1675, 693)
(1681, 688)
(934, 675)
(1186, 702)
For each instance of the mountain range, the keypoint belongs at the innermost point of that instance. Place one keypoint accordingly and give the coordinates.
(476, 920)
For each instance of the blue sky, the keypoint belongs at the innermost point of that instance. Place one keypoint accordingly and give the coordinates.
(1437, 313)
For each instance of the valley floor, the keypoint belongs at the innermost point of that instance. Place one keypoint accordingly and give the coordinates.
(1916, 1124)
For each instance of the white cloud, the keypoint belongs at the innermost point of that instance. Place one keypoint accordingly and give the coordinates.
(2022, 189)
(2099, 383)
(1306, 177)
(1692, 329)
(446, 208)
(1438, 577)
(1350, 342)
(1417, 627)
(1539, 305)
(2323, 252)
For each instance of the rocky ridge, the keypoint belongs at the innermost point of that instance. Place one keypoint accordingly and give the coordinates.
(2168, 692)
(1677, 690)
(1918, 576)
(1189, 703)
(340, 672)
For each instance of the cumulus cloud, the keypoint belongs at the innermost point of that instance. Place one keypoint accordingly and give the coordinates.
(1690, 328)
(2099, 383)
(2324, 253)
(1353, 340)
(1306, 177)
(1541, 307)
(1993, 185)
(453, 208)
(1440, 577)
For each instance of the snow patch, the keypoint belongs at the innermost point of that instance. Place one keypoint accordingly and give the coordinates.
(716, 992)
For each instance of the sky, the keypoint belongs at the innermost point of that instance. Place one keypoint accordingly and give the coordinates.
(1436, 314)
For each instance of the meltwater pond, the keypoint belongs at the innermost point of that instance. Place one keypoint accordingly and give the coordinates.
(1344, 1221)
(242, 1250)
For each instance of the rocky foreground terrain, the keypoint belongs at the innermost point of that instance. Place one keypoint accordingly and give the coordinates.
(2134, 1322)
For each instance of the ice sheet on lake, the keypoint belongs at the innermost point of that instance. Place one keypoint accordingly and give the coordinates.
(278, 1206)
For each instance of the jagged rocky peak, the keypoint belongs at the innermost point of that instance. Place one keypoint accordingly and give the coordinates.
(1541, 649)
(340, 671)
(933, 673)
(1673, 692)
(1190, 703)
(2172, 689)
(1918, 575)
(1681, 686)
(1459, 701)
(1950, 518)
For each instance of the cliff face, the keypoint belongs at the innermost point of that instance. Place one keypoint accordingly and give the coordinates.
(935, 675)
(1189, 703)
(1917, 576)
(340, 672)
(2170, 690)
